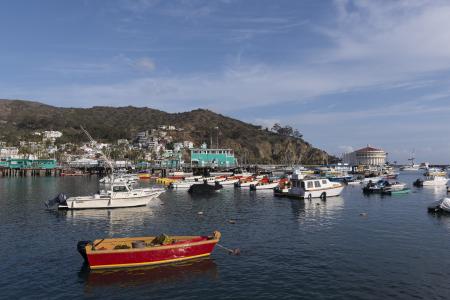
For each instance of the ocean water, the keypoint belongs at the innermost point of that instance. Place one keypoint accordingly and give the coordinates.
(349, 247)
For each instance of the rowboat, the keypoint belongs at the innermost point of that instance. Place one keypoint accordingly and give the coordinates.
(145, 251)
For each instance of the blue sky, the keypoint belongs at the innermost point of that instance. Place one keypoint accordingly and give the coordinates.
(345, 73)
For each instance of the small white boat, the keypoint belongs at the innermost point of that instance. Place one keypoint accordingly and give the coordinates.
(435, 181)
(397, 186)
(366, 180)
(265, 186)
(229, 182)
(182, 185)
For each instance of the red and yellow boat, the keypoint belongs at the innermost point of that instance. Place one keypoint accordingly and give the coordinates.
(144, 251)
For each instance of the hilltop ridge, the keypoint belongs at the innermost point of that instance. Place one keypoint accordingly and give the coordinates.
(19, 119)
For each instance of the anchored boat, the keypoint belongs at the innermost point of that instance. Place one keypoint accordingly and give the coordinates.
(120, 195)
(143, 251)
(312, 187)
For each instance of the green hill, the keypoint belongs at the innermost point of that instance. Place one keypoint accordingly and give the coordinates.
(19, 119)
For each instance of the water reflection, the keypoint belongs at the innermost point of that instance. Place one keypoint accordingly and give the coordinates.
(131, 277)
(118, 219)
(317, 209)
(437, 191)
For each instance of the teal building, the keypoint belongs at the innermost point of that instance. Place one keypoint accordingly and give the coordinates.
(23, 163)
(203, 157)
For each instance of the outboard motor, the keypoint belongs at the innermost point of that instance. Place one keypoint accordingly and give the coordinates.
(58, 200)
(81, 247)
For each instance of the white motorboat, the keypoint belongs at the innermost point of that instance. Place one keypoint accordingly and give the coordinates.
(414, 167)
(366, 180)
(435, 172)
(265, 186)
(313, 187)
(396, 186)
(435, 181)
(185, 185)
(120, 195)
(229, 182)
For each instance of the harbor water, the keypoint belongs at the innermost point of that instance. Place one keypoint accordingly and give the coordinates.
(349, 247)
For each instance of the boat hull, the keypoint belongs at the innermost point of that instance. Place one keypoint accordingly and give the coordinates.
(331, 192)
(93, 203)
(147, 256)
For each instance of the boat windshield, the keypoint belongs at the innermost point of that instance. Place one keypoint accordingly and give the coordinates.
(120, 188)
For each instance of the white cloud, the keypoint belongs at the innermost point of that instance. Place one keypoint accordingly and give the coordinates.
(145, 64)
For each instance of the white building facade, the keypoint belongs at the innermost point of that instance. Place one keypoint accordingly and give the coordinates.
(367, 156)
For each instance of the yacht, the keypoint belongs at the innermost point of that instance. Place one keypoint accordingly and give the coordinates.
(412, 166)
(313, 187)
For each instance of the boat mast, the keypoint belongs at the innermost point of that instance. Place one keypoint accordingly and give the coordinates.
(108, 162)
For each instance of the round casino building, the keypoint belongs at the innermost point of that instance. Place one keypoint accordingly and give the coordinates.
(368, 156)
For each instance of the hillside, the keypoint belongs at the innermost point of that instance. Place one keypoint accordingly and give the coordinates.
(19, 119)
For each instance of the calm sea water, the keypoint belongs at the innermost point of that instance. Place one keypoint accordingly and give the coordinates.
(289, 248)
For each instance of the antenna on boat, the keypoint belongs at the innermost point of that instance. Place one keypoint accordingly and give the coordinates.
(99, 151)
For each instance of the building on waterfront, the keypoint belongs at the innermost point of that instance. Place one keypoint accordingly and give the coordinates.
(24, 163)
(8, 152)
(188, 144)
(369, 156)
(203, 157)
(51, 135)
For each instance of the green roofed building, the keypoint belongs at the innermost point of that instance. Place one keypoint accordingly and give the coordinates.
(203, 157)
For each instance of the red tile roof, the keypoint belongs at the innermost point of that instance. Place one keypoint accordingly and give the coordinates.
(368, 149)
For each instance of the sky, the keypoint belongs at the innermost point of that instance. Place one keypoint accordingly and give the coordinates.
(345, 73)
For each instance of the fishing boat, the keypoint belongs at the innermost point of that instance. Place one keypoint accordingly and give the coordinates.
(412, 166)
(144, 251)
(313, 187)
(435, 172)
(118, 196)
(431, 181)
